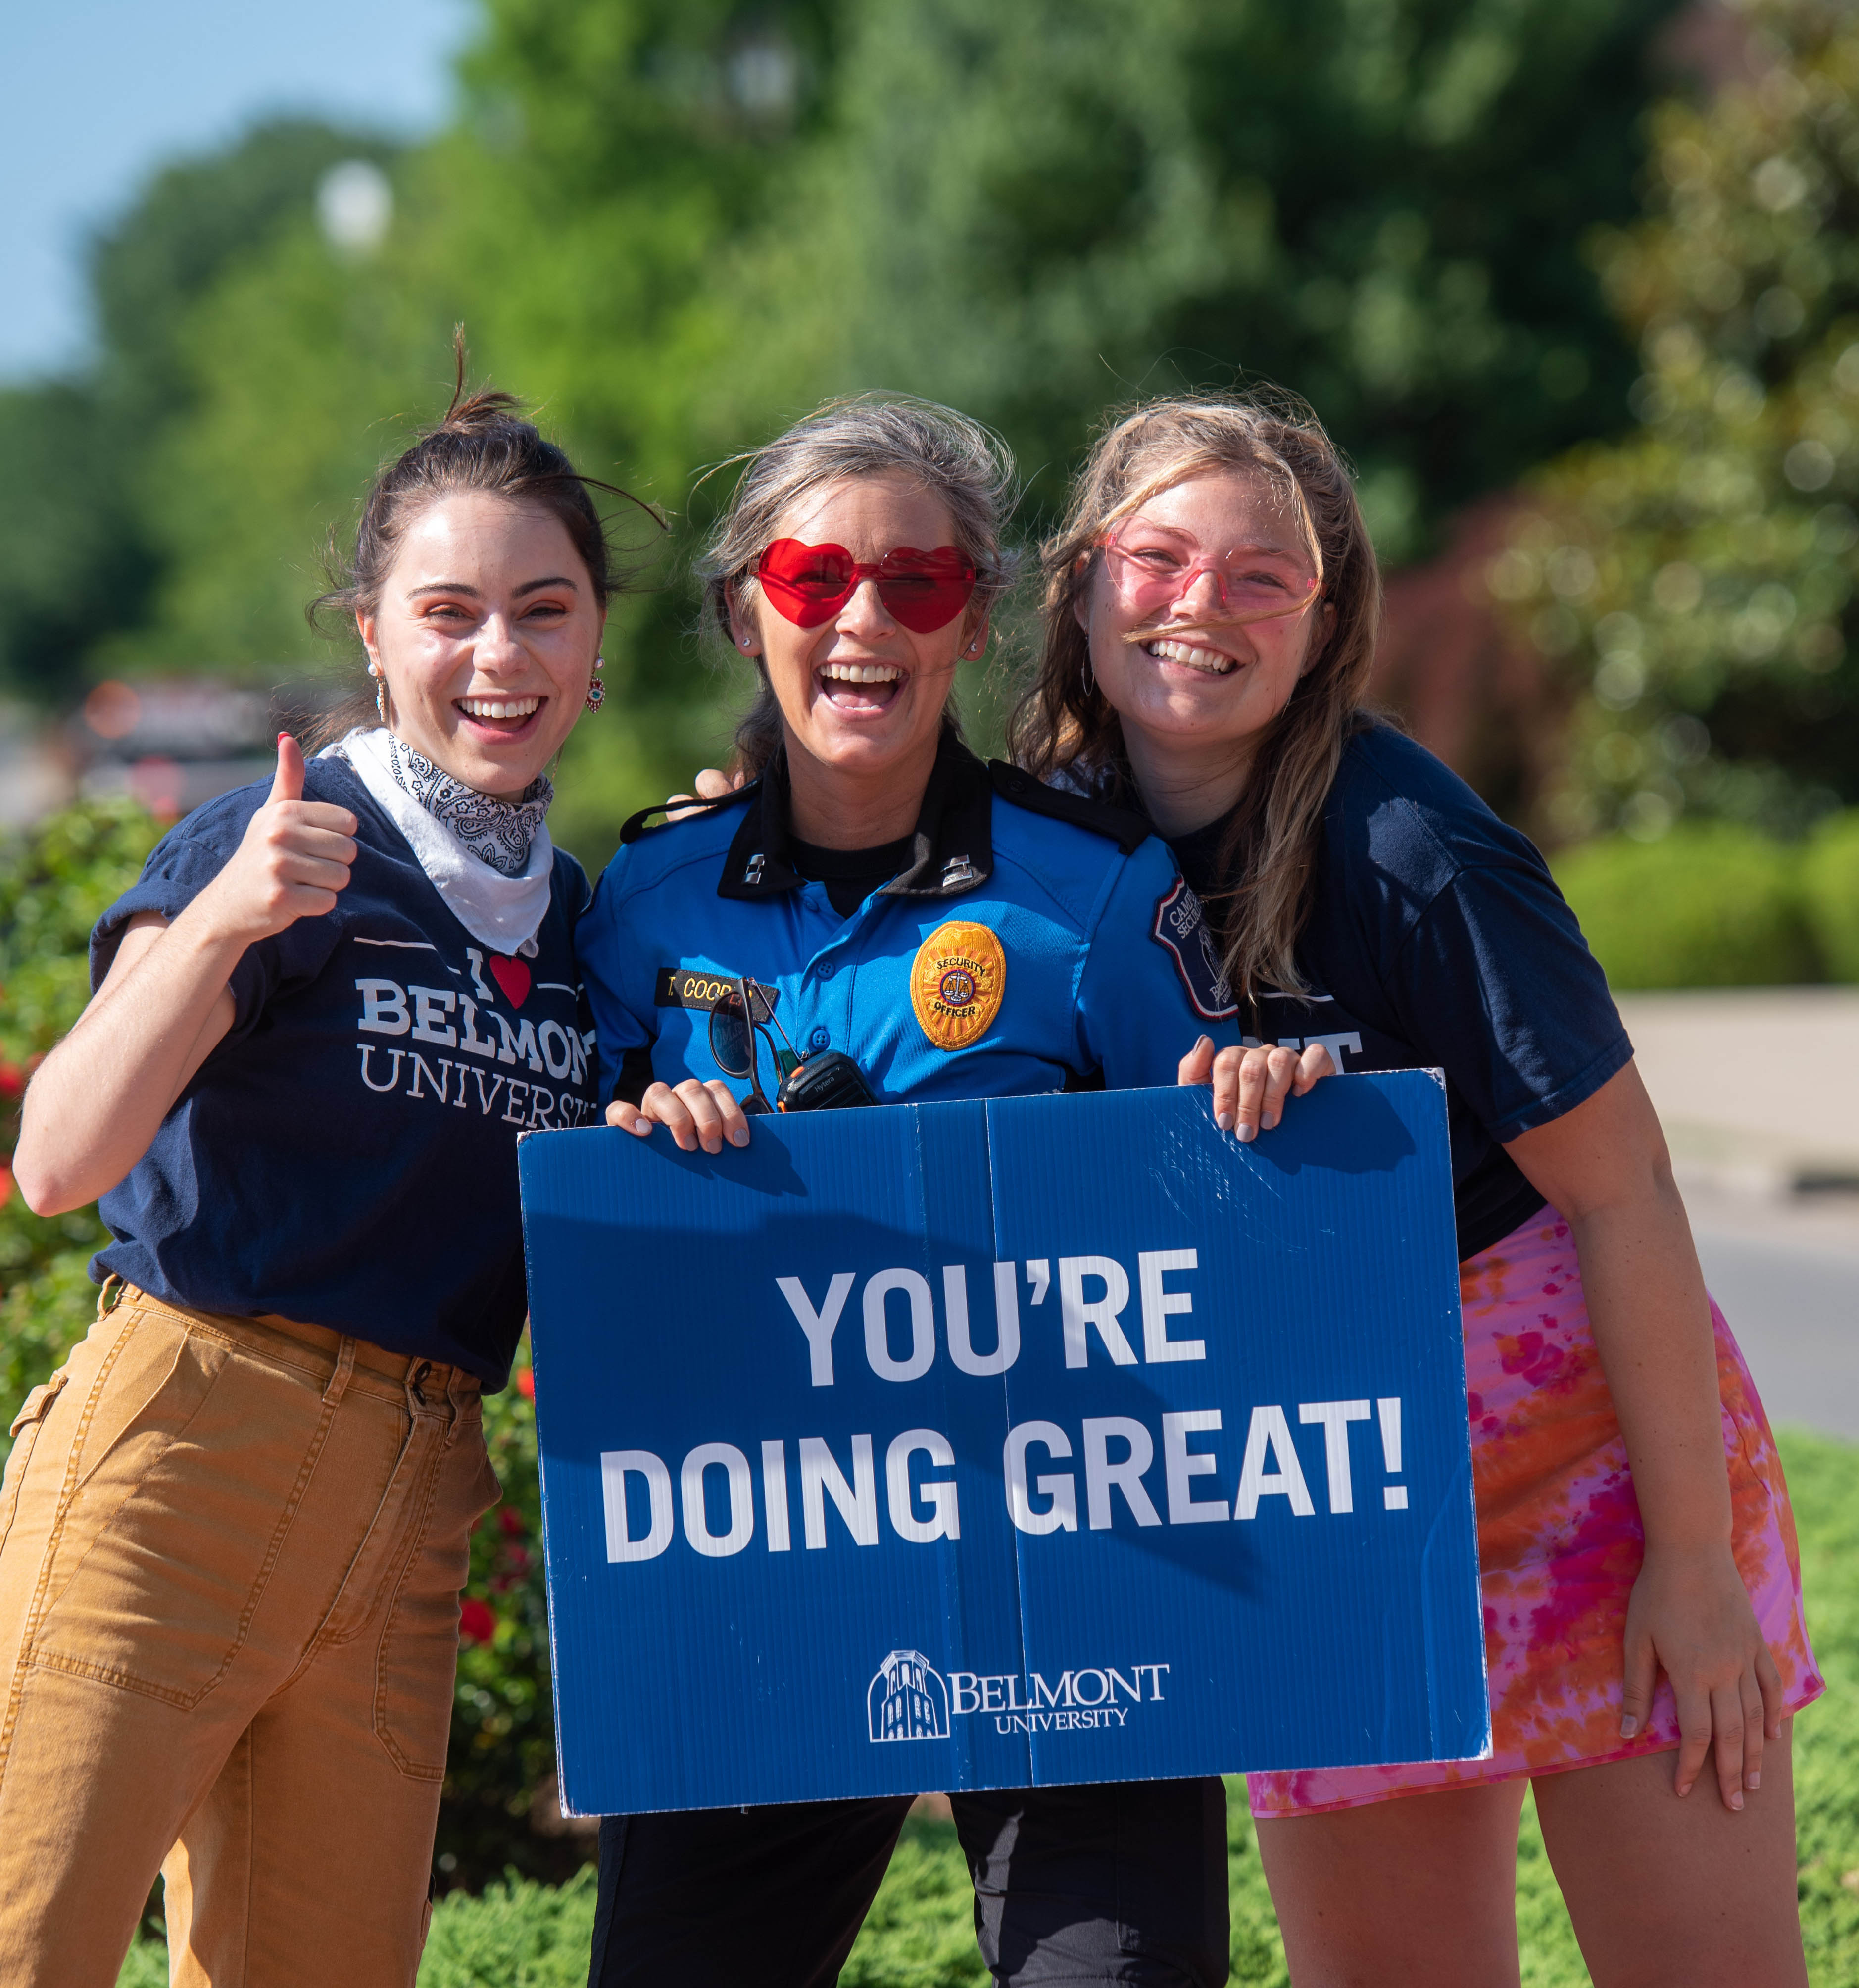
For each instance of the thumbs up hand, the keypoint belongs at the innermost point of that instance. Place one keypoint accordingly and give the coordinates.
(294, 858)
(287, 783)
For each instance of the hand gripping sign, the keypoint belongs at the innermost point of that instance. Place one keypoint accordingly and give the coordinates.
(1043, 1440)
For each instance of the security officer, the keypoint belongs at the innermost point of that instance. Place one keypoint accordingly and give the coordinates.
(880, 907)
(1021, 941)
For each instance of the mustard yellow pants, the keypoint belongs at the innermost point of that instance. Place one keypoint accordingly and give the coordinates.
(231, 1553)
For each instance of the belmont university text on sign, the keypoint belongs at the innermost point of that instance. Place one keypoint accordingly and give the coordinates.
(993, 1445)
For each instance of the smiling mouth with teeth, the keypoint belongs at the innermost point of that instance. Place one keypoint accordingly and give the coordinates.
(861, 673)
(1193, 655)
(500, 707)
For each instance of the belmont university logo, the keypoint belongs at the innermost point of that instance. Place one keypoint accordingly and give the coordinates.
(909, 1699)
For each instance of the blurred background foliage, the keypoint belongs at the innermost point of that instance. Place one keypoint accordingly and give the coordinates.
(674, 226)
(1694, 578)
(54, 884)
(1503, 246)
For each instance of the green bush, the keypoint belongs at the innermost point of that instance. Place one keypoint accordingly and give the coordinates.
(517, 1935)
(500, 1767)
(1830, 892)
(56, 879)
(1709, 904)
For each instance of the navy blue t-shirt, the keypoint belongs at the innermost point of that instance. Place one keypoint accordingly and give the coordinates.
(1437, 939)
(347, 1156)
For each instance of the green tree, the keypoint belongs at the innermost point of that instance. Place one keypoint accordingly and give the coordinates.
(574, 222)
(674, 226)
(1035, 210)
(1696, 580)
(83, 501)
(75, 564)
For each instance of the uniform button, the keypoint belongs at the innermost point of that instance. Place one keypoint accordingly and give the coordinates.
(827, 969)
(818, 1039)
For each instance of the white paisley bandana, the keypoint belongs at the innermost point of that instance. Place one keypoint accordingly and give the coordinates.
(498, 832)
(491, 861)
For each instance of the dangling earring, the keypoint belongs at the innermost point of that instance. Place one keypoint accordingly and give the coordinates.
(380, 689)
(597, 690)
(1089, 681)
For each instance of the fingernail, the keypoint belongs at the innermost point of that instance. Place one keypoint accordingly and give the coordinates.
(1685, 1790)
(1736, 1802)
(1752, 1781)
(1201, 1043)
(740, 1136)
(1224, 1120)
(1629, 1725)
(1248, 1134)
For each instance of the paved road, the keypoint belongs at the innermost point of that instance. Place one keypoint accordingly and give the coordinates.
(1788, 1281)
(1758, 1089)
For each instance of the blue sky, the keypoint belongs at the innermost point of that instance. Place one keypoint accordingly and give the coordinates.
(98, 93)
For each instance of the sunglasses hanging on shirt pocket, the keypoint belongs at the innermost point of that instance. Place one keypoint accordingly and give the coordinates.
(743, 1018)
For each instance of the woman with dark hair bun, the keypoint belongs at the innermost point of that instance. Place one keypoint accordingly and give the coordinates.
(234, 1525)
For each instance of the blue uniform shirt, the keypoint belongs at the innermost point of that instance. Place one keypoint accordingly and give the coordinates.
(347, 1156)
(1036, 942)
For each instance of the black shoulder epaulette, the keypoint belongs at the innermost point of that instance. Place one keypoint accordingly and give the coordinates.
(635, 825)
(1124, 825)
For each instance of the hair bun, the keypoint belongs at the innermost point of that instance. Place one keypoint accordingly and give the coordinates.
(482, 444)
(482, 413)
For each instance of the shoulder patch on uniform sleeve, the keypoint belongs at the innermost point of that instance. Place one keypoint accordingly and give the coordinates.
(1180, 926)
(1124, 825)
(642, 823)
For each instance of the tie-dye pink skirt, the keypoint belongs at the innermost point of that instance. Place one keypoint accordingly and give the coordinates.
(1560, 1538)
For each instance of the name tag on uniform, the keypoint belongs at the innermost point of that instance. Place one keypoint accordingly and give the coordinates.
(690, 987)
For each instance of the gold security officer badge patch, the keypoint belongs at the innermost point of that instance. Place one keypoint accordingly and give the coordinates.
(956, 983)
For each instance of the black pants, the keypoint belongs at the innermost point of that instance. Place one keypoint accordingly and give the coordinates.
(1123, 1883)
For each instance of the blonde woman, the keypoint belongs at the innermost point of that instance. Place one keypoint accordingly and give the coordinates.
(1210, 616)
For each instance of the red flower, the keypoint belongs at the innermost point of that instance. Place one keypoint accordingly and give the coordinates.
(525, 1383)
(476, 1622)
(12, 1080)
(511, 1519)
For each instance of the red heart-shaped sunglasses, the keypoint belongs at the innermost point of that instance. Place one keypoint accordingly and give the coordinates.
(808, 585)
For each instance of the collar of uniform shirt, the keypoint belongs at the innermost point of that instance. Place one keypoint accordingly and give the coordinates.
(952, 849)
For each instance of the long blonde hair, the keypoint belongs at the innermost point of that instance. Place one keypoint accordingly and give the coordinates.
(1064, 720)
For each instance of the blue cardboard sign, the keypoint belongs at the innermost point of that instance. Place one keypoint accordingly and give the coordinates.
(1003, 1444)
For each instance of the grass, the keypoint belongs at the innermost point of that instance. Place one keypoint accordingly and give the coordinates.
(920, 1935)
